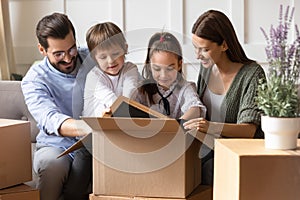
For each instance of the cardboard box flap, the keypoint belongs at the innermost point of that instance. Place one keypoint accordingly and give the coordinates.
(133, 124)
(125, 107)
(84, 141)
(142, 127)
(10, 122)
(129, 115)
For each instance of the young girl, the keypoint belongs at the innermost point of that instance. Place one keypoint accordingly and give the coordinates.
(112, 76)
(164, 89)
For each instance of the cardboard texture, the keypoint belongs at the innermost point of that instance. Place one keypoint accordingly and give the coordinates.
(20, 192)
(143, 157)
(15, 148)
(246, 170)
(202, 192)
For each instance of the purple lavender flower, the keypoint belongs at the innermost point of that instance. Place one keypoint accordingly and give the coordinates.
(283, 57)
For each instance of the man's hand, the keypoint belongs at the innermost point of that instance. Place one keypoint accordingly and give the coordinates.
(74, 128)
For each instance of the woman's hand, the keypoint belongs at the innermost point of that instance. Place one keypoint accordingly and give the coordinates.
(244, 130)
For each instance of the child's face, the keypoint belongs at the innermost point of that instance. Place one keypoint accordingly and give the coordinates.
(110, 60)
(164, 68)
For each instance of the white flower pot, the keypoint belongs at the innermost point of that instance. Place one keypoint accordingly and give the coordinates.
(280, 133)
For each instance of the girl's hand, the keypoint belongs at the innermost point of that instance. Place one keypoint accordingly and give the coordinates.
(200, 124)
(204, 126)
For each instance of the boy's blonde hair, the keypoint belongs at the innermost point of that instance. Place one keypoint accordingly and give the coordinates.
(104, 36)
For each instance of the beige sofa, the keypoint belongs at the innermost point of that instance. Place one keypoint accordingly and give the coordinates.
(13, 107)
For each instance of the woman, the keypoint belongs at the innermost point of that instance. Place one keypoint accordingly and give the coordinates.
(227, 84)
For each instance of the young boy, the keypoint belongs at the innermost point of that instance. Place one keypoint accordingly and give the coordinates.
(112, 76)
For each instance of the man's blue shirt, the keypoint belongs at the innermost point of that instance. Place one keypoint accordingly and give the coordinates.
(52, 97)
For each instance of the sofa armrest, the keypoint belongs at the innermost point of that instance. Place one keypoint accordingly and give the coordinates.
(13, 105)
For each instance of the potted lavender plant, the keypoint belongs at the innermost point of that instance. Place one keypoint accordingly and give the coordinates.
(278, 98)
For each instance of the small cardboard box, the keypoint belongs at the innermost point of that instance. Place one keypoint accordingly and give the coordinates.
(202, 192)
(246, 170)
(143, 157)
(15, 148)
(20, 192)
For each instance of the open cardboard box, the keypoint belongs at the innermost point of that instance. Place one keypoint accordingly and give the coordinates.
(15, 148)
(134, 156)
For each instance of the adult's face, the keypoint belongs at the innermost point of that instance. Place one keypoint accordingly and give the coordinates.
(62, 53)
(206, 51)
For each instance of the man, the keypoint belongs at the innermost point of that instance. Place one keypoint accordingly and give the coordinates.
(49, 88)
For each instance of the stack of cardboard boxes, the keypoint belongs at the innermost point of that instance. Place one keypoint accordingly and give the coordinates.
(15, 160)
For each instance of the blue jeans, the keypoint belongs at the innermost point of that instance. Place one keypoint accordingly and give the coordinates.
(207, 164)
(63, 178)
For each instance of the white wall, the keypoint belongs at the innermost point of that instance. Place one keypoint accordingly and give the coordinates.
(139, 19)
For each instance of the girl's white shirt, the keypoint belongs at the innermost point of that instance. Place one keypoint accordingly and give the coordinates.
(183, 97)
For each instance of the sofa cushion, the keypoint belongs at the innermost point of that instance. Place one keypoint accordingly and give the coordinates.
(13, 105)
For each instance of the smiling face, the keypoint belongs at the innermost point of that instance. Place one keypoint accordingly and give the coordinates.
(61, 53)
(164, 68)
(110, 60)
(208, 52)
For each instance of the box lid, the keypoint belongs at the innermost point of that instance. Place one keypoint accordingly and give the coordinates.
(10, 122)
(125, 107)
(246, 147)
(132, 124)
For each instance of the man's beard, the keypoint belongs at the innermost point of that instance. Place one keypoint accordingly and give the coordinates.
(64, 70)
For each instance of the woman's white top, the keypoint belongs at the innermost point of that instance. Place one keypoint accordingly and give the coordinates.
(213, 103)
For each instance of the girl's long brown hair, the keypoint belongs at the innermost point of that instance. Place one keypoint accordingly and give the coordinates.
(162, 41)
